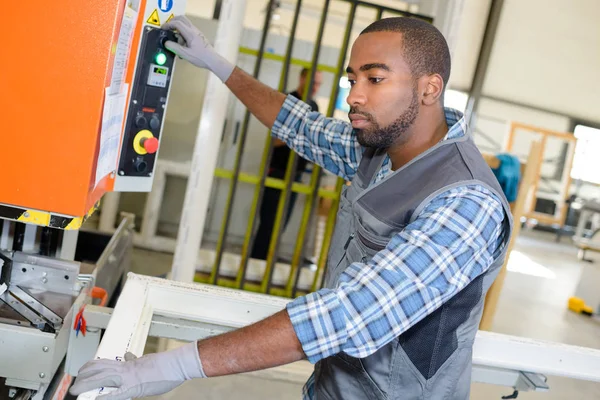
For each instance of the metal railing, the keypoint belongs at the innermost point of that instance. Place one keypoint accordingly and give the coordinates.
(312, 191)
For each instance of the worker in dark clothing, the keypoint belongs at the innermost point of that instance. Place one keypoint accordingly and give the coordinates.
(277, 167)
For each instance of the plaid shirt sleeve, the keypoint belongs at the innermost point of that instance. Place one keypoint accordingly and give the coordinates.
(450, 243)
(327, 142)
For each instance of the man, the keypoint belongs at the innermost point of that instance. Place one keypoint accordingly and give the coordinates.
(422, 232)
(277, 168)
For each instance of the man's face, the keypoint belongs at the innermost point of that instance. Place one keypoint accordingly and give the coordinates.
(316, 83)
(383, 100)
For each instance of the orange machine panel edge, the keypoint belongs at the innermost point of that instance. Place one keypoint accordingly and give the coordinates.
(53, 106)
(107, 183)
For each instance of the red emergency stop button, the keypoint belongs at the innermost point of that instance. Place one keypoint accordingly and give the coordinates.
(150, 145)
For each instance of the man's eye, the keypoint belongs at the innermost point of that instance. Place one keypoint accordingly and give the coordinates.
(351, 82)
(375, 80)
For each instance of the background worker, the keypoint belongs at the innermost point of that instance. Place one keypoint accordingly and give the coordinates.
(277, 168)
(421, 234)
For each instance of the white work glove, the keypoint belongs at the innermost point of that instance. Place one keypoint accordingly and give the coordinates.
(149, 375)
(196, 49)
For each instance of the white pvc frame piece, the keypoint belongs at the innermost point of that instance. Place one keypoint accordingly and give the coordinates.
(144, 296)
(531, 355)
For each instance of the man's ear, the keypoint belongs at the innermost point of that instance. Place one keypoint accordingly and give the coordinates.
(433, 87)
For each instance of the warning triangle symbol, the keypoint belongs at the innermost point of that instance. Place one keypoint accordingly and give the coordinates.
(154, 20)
(170, 17)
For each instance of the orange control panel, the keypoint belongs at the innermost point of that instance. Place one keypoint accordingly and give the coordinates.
(74, 71)
(52, 104)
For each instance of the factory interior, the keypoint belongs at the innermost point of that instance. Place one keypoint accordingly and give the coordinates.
(145, 207)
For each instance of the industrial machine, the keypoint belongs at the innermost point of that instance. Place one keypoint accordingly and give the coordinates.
(82, 115)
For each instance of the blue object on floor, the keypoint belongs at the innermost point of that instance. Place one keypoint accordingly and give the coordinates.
(508, 175)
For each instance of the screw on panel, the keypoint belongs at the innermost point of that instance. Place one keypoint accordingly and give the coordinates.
(42, 375)
(44, 280)
(26, 214)
(45, 349)
(121, 173)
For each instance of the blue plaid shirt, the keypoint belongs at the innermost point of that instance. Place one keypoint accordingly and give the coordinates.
(373, 303)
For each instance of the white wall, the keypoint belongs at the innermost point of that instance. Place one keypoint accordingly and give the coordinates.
(472, 20)
(547, 54)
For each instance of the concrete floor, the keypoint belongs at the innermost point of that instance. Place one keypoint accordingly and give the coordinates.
(542, 276)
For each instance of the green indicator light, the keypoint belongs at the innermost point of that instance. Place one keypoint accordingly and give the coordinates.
(160, 58)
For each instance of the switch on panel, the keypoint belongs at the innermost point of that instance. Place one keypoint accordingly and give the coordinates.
(150, 145)
(154, 123)
(140, 122)
(145, 143)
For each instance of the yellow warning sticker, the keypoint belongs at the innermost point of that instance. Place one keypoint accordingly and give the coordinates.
(170, 17)
(154, 20)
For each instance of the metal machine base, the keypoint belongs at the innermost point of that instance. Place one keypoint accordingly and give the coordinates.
(42, 295)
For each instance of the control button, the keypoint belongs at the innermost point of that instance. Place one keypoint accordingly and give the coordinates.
(150, 145)
(140, 165)
(160, 58)
(140, 121)
(154, 123)
(138, 141)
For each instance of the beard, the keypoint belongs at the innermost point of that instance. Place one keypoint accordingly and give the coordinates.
(380, 137)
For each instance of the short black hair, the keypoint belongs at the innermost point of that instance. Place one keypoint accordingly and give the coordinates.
(305, 71)
(425, 48)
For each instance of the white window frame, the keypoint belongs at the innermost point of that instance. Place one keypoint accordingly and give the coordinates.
(145, 297)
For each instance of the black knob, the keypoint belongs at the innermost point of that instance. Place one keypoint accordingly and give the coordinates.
(140, 122)
(154, 122)
(140, 165)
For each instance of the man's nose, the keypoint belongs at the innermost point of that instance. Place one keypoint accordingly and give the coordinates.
(356, 97)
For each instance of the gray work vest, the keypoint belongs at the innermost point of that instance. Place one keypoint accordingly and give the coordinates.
(432, 359)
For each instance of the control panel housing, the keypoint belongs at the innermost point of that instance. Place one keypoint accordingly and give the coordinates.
(147, 104)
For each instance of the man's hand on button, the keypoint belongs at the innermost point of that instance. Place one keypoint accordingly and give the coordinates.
(196, 48)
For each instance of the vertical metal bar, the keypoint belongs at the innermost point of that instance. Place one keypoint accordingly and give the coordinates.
(29, 242)
(379, 14)
(7, 238)
(68, 245)
(218, 7)
(238, 157)
(482, 61)
(267, 152)
(316, 177)
(290, 172)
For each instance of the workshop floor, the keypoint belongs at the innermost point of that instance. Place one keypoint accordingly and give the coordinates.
(542, 275)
